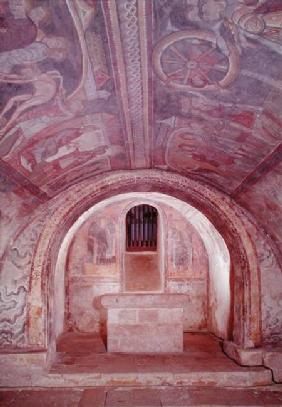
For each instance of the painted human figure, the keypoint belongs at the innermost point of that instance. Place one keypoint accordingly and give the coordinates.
(180, 249)
(99, 245)
(45, 87)
(11, 29)
(55, 48)
(35, 45)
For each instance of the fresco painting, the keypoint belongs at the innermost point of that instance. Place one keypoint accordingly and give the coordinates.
(201, 64)
(186, 252)
(57, 107)
(179, 98)
(96, 265)
(211, 85)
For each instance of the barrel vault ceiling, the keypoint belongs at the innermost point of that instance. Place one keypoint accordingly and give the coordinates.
(92, 86)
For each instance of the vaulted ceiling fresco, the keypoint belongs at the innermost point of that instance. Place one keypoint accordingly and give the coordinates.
(92, 86)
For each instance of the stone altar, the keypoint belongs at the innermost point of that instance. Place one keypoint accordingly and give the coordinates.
(144, 323)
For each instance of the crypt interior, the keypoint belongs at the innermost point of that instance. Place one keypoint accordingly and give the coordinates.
(140, 203)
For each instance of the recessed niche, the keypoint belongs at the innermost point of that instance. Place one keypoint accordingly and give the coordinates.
(141, 255)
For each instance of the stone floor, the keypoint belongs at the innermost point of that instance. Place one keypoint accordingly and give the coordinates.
(85, 375)
(201, 363)
(142, 397)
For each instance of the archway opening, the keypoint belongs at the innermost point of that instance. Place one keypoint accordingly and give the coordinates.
(193, 262)
(242, 235)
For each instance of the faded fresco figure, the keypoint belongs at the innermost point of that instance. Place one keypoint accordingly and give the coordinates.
(180, 251)
(45, 87)
(100, 243)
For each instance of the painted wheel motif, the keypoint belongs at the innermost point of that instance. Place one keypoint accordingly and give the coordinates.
(190, 59)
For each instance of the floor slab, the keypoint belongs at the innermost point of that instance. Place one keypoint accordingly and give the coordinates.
(202, 363)
(142, 397)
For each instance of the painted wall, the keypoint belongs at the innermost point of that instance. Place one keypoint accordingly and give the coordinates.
(95, 266)
(18, 236)
(264, 200)
(187, 267)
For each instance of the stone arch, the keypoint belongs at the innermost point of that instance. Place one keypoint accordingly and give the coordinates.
(233, 223)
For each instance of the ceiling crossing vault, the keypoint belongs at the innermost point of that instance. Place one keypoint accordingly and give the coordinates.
(191, 86)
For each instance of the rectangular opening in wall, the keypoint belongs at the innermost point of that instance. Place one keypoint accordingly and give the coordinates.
(141, 228)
